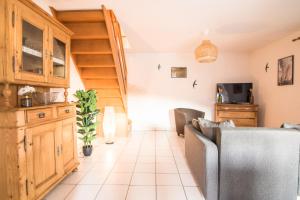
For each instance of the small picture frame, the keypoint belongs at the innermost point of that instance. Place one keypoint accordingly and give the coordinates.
(286, 71)
(178, 72)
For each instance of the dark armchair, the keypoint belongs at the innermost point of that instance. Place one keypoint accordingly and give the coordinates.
(185, 116)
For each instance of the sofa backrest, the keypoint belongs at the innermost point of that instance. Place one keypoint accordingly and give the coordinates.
(202, 157)
(258, 163)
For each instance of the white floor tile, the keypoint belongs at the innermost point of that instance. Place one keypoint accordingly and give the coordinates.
(86, 192)
(168, 179)
(94, 177)
(193, 193)
(166, 168)
(188, 180)
(119, 179)
(141, 193)
(170, 193)
(60, 192)
(74, 178)
(112, 192)
(130, 168)
(124, 168)
(165, 159)
(143, 179)
(146, 159)
(144, 168)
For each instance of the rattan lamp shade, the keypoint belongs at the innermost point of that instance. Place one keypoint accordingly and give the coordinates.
(206, 52)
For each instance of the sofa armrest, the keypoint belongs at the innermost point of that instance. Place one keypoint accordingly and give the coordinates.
(202, 158)
(258, 163)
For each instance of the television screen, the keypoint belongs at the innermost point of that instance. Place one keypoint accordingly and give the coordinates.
(237, 93)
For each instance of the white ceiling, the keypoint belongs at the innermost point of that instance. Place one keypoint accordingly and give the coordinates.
(178, 25)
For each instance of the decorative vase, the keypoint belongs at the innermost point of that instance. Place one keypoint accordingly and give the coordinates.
(87, 150)
(26, 101)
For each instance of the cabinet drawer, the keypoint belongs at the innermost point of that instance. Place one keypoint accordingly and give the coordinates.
(229, 114)
(66, 111)
(39, 115)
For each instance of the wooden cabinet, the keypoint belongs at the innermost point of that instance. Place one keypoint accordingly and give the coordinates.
(37, 47)
(243, 115)
(69, 144)
(36, 152)
(43, 155)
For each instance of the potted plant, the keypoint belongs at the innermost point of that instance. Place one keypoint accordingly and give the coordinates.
(86, 118)
(25, 93)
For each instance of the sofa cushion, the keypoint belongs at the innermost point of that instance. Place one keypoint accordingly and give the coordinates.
(293, 126)
(196, 125)
(208, 128)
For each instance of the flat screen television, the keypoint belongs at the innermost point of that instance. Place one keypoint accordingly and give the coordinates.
(235, 93)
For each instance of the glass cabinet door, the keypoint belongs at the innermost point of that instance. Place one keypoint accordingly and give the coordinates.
(31, 37)
(32, 49)
(59, 58)
(59, 62)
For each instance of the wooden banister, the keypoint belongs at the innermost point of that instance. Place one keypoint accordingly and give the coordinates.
(116, 43)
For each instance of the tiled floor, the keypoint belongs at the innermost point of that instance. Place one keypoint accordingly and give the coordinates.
(144, 166)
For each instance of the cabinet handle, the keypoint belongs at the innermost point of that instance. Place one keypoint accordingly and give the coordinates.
(57, 149)
(67, 111)
(42, 115)
(61, 148)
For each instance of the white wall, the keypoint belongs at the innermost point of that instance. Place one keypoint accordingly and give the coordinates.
(278, 104)
(153, 94)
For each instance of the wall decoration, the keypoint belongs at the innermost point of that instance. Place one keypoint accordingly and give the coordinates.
(194, 83)
(296, 39)
(159, 66)
(286, 71)
(267, 67)
(178, 72)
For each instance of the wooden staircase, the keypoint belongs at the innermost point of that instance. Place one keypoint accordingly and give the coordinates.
(97, 51)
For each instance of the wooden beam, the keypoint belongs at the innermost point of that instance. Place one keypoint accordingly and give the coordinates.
(88, 30)
(90, 47)
(80, 16)
(53, 11)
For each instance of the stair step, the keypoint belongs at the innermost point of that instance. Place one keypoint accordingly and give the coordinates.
(91, 47)
(80, 16)
(102, 93)
(94, 60)
(88, 30)
(95, 66)
(100, 84)
(110, 101)
(98, 73)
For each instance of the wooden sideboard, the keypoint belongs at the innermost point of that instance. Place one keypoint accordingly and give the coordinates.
(38, 149)
(243, 115)
(38, 145)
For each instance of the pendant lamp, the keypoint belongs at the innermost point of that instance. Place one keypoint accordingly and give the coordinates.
(206, 52)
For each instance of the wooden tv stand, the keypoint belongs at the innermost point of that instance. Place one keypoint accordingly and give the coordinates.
(243, 115)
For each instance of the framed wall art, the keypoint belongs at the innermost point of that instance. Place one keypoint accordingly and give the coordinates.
(286, 71)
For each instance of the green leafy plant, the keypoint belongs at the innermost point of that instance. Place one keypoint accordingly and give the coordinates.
(86, 115)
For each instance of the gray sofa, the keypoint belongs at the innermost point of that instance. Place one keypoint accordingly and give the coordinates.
(185, 116)
(245, 163)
